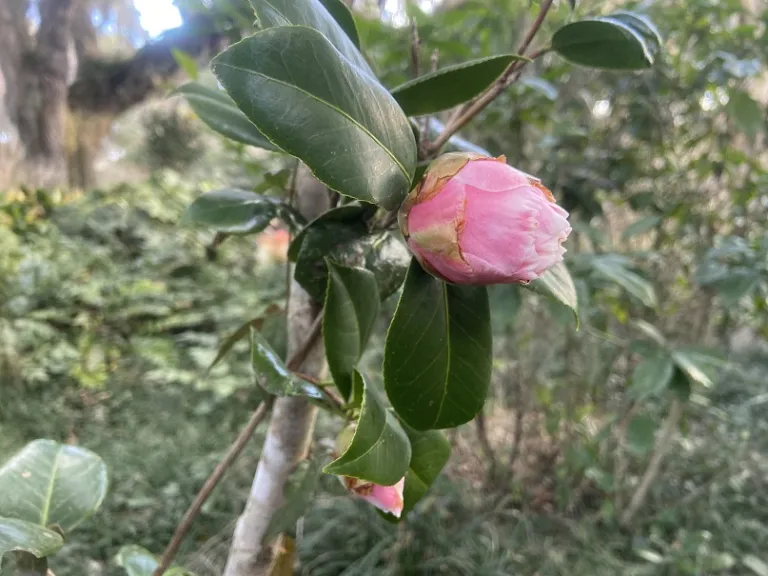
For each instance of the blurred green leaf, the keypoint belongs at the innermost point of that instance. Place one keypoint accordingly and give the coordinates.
(736, 285)
(649, 330)
(652, 375)
(186, 63)
(350, 311)
(697, 363)
(450, 86)
(136, 561)
(234, 211)
(219, 112)
(18, 535)
(304, 96)
(754, 563)
(641, 434)
(380, 450)
(540, 85)
(614, 268)
(645, 224)
(603, 43)
(48, 484)
(23, 564)
(437, 358)
(746, 113)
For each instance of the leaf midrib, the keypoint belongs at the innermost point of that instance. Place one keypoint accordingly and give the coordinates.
(329, 105)
(444, 288)
(49, 491)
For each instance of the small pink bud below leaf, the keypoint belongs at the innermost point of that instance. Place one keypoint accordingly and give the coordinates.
(476, 220)
(386, 498)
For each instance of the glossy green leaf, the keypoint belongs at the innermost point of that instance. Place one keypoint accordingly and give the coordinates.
(299, 493)
(450, 86)
(18, 535)
(557, 284)
(48, 483)
(342, 236)
(430, 451)
(652, 375)
(388, 259)
(614, 268)
(698, 364)
(602, 43)
(311, 102)
(332, 222)
(235, 211)
(380, 450)
(350, 311)
(269, 369)
(186, 63)
(641, 434)
(273, 376)
(313, 14)
(437, 359)
(338, 235)
(642, 25)
(645, 224)
(344, 19)
(219, 112)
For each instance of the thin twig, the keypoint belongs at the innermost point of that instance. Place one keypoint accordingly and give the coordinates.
(189, 516)
(510, 74)
(415, 49)
(485, 445)
(663, 446)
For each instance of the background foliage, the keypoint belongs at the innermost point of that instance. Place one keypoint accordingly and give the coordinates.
(110, 314)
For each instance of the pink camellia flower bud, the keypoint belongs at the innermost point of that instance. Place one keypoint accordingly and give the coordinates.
(476, 220)
(386, 498)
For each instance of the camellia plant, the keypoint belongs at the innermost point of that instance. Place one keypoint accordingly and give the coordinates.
(302, 86)
(385, 198)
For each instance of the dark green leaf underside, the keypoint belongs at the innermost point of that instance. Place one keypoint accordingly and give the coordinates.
(450, 86)
(602, 43)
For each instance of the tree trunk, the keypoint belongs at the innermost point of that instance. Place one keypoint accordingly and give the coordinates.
(41, 107)
(293, 419)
